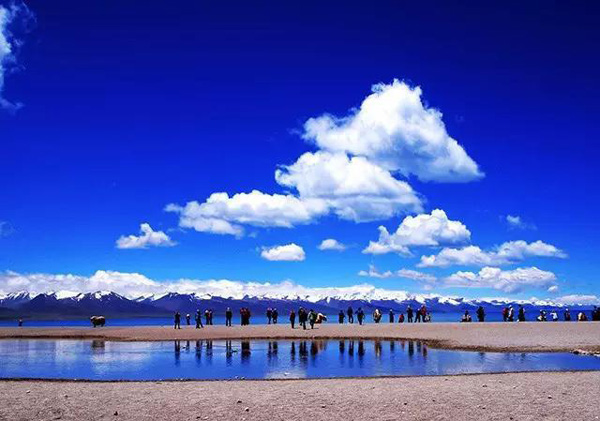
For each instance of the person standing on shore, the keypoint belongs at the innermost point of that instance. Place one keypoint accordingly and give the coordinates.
(418, 316)
(521, 313)
(177, 321)
(275, 315)
(302, 317)
(511, 313)
(341, 317)
(409, 314)
(188, 319)
(228, 317)
(401, 318)
(567, 315)
(391, 316)
(480, 314)
(312, 318)
(292, 318)
(269, 315)
(350, 313)
(198, 319)
(360, 315)
(505, 314)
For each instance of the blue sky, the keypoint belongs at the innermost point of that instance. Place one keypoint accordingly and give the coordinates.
(124, 110)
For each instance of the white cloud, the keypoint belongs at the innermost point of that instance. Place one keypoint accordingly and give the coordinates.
(578, 299)
(517, 222)
(507, 281)
(394, 129)
(222, 214)
(289, 253)
(331, 244)
(148, 238)
(353, 187)
(553, 288)
(402, 273)
(507, 253)
(422, 230)
(8, 43)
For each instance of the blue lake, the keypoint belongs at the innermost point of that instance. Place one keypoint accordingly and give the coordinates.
(105, 360)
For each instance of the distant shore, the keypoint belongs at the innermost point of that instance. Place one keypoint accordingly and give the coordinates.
(501, 337)
(516, 396)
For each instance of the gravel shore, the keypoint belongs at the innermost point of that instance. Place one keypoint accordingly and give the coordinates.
(532, 336)
(512, 396)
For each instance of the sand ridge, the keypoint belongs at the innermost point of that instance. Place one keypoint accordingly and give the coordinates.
(514, 337)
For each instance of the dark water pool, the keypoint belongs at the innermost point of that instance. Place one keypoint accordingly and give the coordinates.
(103, 360)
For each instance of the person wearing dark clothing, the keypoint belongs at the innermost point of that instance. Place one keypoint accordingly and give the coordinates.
(207, 317)
(20, 322)
(391, 316)
(228, 317)
(198, 318)
(292, 318)
(341, 317)
(360, 315)
(269, 315)
(177, 321)
(418, 316)
(275, 315)
(312, 318)
(302, 317)
(567, 315)
(409, 314)
(210, 317)
(350, 314)
(187, 319)
(480, 314)
(401, 318)
(505, 314)
(521, 315)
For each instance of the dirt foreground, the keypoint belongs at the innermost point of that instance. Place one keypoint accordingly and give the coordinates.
(526, 337)
(524, 396)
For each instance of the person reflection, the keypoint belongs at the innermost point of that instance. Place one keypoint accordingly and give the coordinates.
(342, 346)
(272, 351)
(177, 351)
(351, 348)
(419, 351)
(392, 346)
(228, 353)
(198, 350)
(187, 346)
(411, 349)
(293, 352)
(209, 351)
(314, 348)
(361, 349)
(424, 351)
(245, 352)
(377, 346)
(303, 351)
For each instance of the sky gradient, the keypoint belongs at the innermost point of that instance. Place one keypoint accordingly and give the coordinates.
(127, 133)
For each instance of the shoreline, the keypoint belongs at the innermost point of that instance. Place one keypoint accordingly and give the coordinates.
(485, 337)
(522, 396)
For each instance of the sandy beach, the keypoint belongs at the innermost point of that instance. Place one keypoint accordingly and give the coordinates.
(524, 396)
(532, 336)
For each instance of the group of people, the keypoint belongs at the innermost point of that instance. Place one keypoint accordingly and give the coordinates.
(272, 315)
(412, 316)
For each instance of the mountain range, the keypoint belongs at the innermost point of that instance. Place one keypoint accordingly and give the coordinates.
(65, 305)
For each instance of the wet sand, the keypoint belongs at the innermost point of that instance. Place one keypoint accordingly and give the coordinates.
(524, 396)
(530, 336)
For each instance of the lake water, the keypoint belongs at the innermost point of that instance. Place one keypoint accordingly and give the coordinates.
(105, 360)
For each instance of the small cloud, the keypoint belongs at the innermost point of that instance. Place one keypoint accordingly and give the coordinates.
(516, 222)
(148, 238)
(553, 288)
(285, 253)
(13, 19)
(402, 273)
(332, 244)
(6, 229)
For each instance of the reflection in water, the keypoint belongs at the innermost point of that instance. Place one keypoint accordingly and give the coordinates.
(199, 359)
(98, 346)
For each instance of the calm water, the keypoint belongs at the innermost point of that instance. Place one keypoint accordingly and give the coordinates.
(103, 360)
